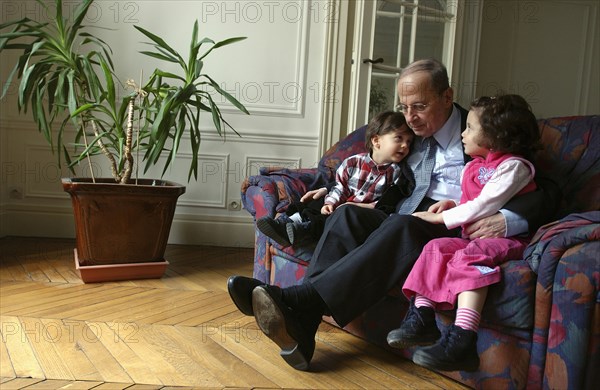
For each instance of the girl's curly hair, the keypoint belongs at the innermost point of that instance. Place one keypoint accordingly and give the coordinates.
(508, 124)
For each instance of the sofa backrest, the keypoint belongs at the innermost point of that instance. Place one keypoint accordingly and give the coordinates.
(570, 155)
(353, 143)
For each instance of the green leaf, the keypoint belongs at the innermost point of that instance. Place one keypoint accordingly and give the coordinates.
(79, 15)
(51, 91)
(205, 40)
(58, 20)
(110, 84)
(159, 41)
(41, 120)
(228, 41)
(168, 75)
(227, 96)
(179, 128)
(26, 86)
(72, 101)
(82, 109)
(221, 44)
(216, 115)
(160, 56)
(94, 86)
(7, 84)
(88, 149)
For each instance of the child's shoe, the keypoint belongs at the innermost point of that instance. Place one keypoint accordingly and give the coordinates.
(455, 351)
(418, 328)
(274, 229)
(297, 231)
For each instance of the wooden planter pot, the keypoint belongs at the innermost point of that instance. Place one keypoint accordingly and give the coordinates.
(121, 229)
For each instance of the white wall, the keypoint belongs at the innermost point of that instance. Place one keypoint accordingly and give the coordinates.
(277, 73)
(546, 50)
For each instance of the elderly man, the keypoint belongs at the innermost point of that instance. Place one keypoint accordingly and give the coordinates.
(363, 253)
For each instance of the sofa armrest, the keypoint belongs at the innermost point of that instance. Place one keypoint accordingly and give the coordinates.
(271, 192)
(554, 238)
(268, 193)
(565, 350)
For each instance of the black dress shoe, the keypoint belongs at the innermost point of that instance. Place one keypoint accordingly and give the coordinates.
(240, 290)
(282, 325)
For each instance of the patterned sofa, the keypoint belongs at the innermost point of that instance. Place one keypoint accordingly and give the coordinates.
(541, 324)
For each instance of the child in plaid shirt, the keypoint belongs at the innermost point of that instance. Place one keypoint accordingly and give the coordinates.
(360, 180)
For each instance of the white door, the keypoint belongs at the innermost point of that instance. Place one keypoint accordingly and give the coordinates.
(390, 34)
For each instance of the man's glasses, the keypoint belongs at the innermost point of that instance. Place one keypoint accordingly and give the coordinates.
(417, 107)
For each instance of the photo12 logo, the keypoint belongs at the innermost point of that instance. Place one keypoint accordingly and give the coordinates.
(99, 12)
(67, 331)
(269, 11)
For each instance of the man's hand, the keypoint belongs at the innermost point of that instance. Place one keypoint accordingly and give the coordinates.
(493, 226)
(313, 194)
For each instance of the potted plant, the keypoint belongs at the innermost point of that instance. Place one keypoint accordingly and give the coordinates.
(67, 82)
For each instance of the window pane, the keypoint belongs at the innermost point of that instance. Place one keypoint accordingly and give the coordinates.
(430, 40)
(383, 90)
(386, 43)
(430, 30)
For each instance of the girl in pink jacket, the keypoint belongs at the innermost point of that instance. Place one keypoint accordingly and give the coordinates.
(501, 136)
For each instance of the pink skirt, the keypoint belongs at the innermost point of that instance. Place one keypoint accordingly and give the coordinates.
(449, 266)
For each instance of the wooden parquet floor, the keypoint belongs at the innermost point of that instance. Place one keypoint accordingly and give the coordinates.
(181, 331)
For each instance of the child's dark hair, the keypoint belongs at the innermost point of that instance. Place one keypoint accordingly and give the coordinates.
(383, 123)
(508, 124)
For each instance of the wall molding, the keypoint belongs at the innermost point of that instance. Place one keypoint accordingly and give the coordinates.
(207, 134)
(254, 163)
(297, 106)
(219, 202)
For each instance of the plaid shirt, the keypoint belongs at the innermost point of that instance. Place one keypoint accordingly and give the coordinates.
(360, 180)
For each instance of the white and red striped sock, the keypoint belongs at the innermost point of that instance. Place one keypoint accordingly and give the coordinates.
(467, 319)
(421, 301)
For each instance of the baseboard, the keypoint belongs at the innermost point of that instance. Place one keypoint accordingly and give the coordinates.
(3, 224)
(57, 222)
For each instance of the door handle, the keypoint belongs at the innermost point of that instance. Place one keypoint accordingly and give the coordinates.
(370, 61)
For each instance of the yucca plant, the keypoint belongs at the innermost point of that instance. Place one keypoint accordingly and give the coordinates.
(66, 78)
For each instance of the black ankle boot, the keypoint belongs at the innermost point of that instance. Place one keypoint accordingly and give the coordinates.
(455, 351)
(418, 328)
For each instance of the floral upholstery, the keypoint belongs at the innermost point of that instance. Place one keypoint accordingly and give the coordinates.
(540, 324)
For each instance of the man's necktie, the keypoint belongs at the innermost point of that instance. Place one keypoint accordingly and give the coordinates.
(422, 177)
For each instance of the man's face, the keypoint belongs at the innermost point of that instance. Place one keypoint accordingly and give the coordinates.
(425, 109)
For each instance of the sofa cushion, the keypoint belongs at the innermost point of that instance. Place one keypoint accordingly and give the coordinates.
(510, 302)
(572, 157)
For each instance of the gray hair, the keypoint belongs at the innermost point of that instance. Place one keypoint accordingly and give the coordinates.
(437, 71)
